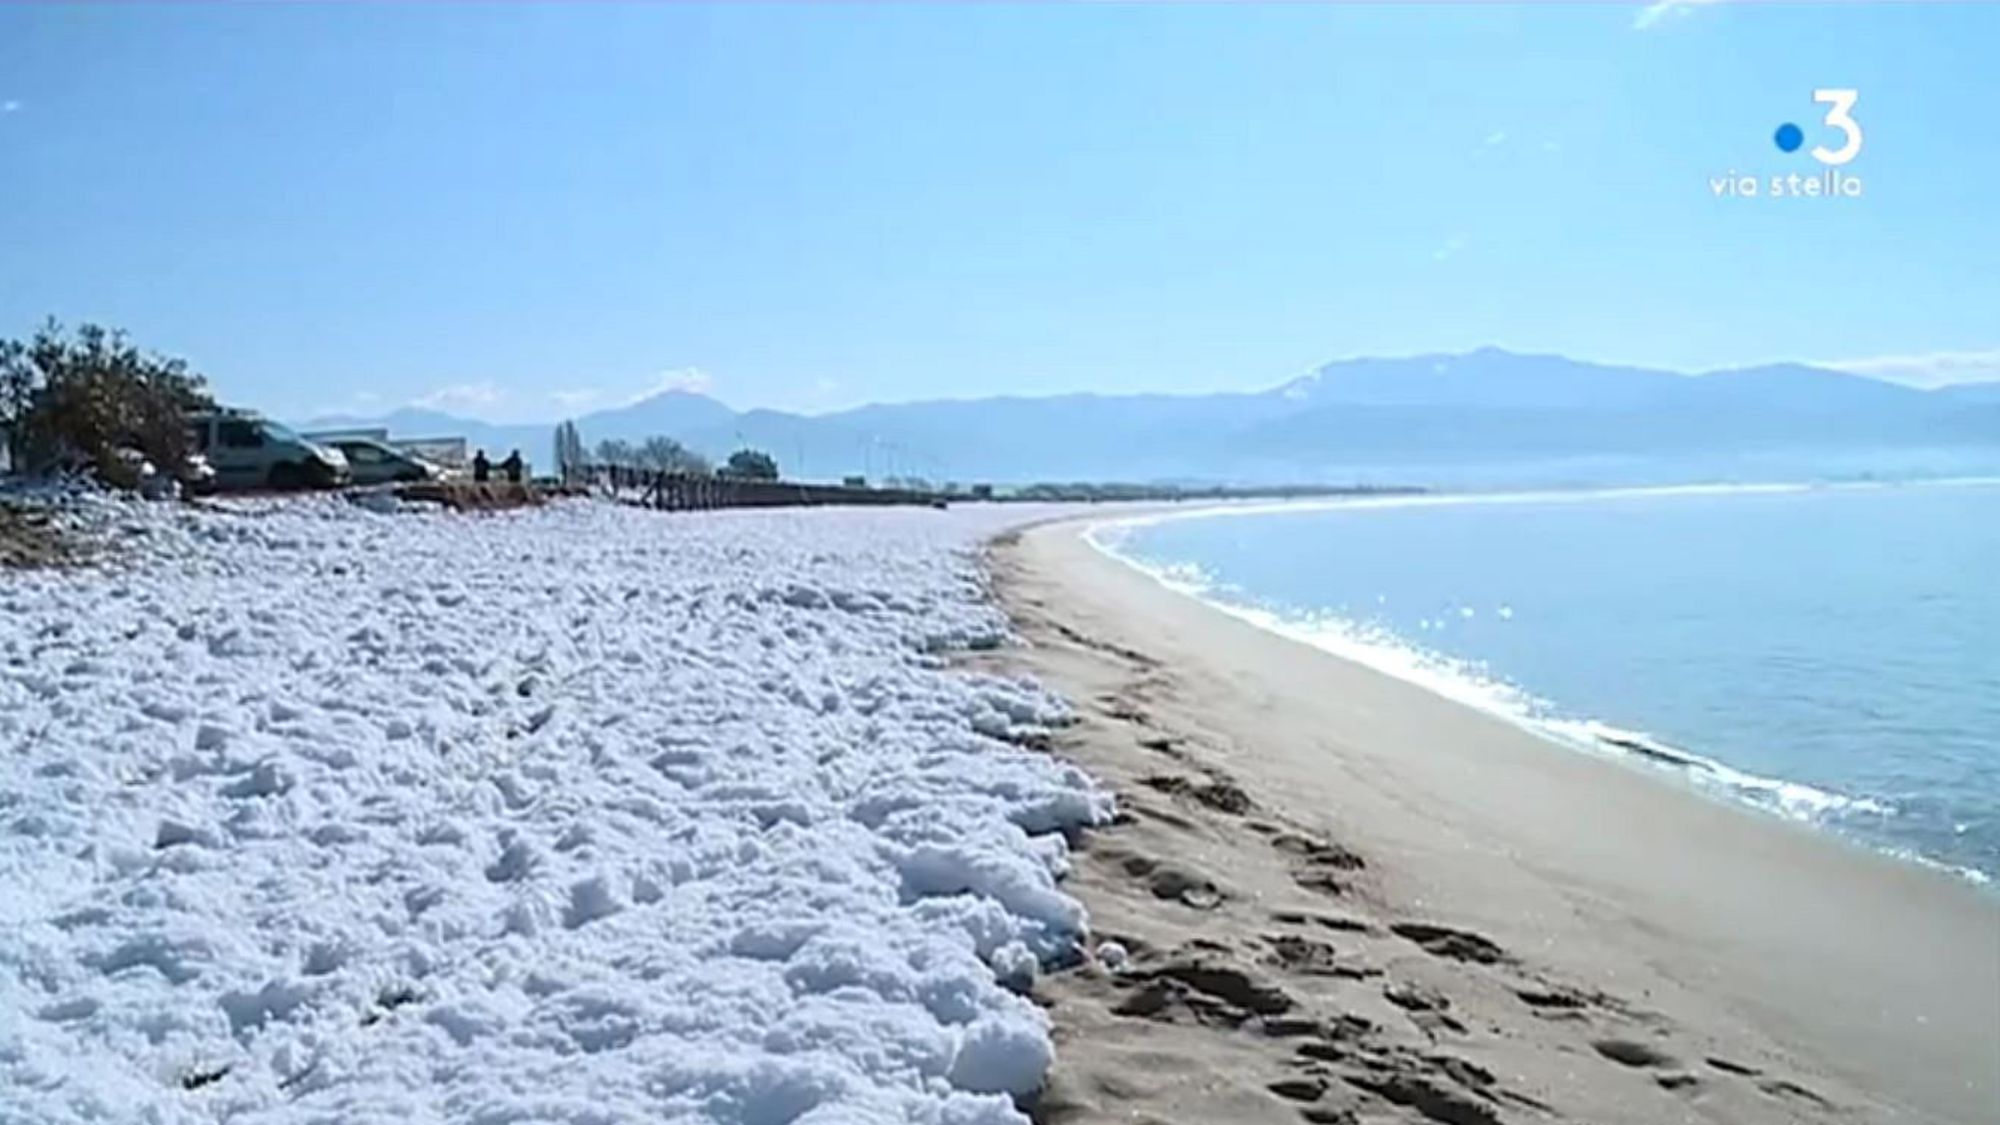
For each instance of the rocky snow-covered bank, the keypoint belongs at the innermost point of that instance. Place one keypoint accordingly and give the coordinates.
(584, 814)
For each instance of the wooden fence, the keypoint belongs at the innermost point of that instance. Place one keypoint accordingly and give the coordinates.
(683, 492)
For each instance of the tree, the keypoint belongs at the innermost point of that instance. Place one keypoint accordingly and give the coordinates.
(570, 455)
(670, 456)
(611, 452)
(750, 464)
(92, 394)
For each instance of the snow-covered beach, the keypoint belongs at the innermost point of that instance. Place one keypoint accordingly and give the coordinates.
(580, 814)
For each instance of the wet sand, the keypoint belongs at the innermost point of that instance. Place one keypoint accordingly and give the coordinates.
(1348, 900)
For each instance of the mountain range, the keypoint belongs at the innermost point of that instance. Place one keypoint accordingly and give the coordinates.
(1429, 417)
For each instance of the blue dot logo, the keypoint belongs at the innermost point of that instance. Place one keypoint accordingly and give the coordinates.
(1789, 137)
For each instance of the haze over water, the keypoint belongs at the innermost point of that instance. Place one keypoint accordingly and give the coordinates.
(1825, 653)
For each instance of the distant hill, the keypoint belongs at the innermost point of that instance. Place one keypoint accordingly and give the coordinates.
(669, 412)
(1488, 377)
(1971, 392)
(1487, 407)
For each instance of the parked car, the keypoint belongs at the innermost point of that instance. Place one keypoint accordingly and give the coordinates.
(194, 475)
(372, 462)
(129, 467)
(247, 451)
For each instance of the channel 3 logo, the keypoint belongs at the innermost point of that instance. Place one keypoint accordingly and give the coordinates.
(1832, 181)
(1789, 136)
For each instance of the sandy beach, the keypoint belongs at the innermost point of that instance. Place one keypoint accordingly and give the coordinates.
(1341, 898)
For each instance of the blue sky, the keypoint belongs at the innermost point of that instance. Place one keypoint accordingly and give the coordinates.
(523, 211)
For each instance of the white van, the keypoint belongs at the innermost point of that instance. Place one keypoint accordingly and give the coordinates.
(247, 451)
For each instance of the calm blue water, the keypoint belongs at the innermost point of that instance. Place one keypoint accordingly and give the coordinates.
(1829, 654)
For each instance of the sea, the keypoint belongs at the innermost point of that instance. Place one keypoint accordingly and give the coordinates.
(1825, 653)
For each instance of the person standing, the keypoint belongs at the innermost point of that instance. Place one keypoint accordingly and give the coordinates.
(512, 466)
(482, 469)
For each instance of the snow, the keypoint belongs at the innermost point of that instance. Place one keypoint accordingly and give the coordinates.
(1112, 955)
(314, 812)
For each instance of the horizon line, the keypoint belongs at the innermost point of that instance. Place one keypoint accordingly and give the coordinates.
(1832, 367)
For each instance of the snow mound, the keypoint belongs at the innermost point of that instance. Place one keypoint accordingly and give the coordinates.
(311, 812)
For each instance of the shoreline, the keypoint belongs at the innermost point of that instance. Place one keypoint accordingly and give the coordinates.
(1689, 770)
(1591, 941)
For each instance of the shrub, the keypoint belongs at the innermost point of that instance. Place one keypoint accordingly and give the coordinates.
(87, 396)
(750, 464)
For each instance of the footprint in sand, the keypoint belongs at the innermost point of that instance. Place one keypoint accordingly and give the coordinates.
(1123, 710)
(1318, 853)
(1429, 1097)
(1454, 945)
(1678, 1080)
(1335, 922)
(1318, 866)
(1097, 644)
(1554, 1003)
(1314, 958)
(1300, 1089)
(1631, 1052)
(1218, 793)
(1140, 808)
(1169, 882)
(1428, 1008)
(1213, 993)
(1785, 1088)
